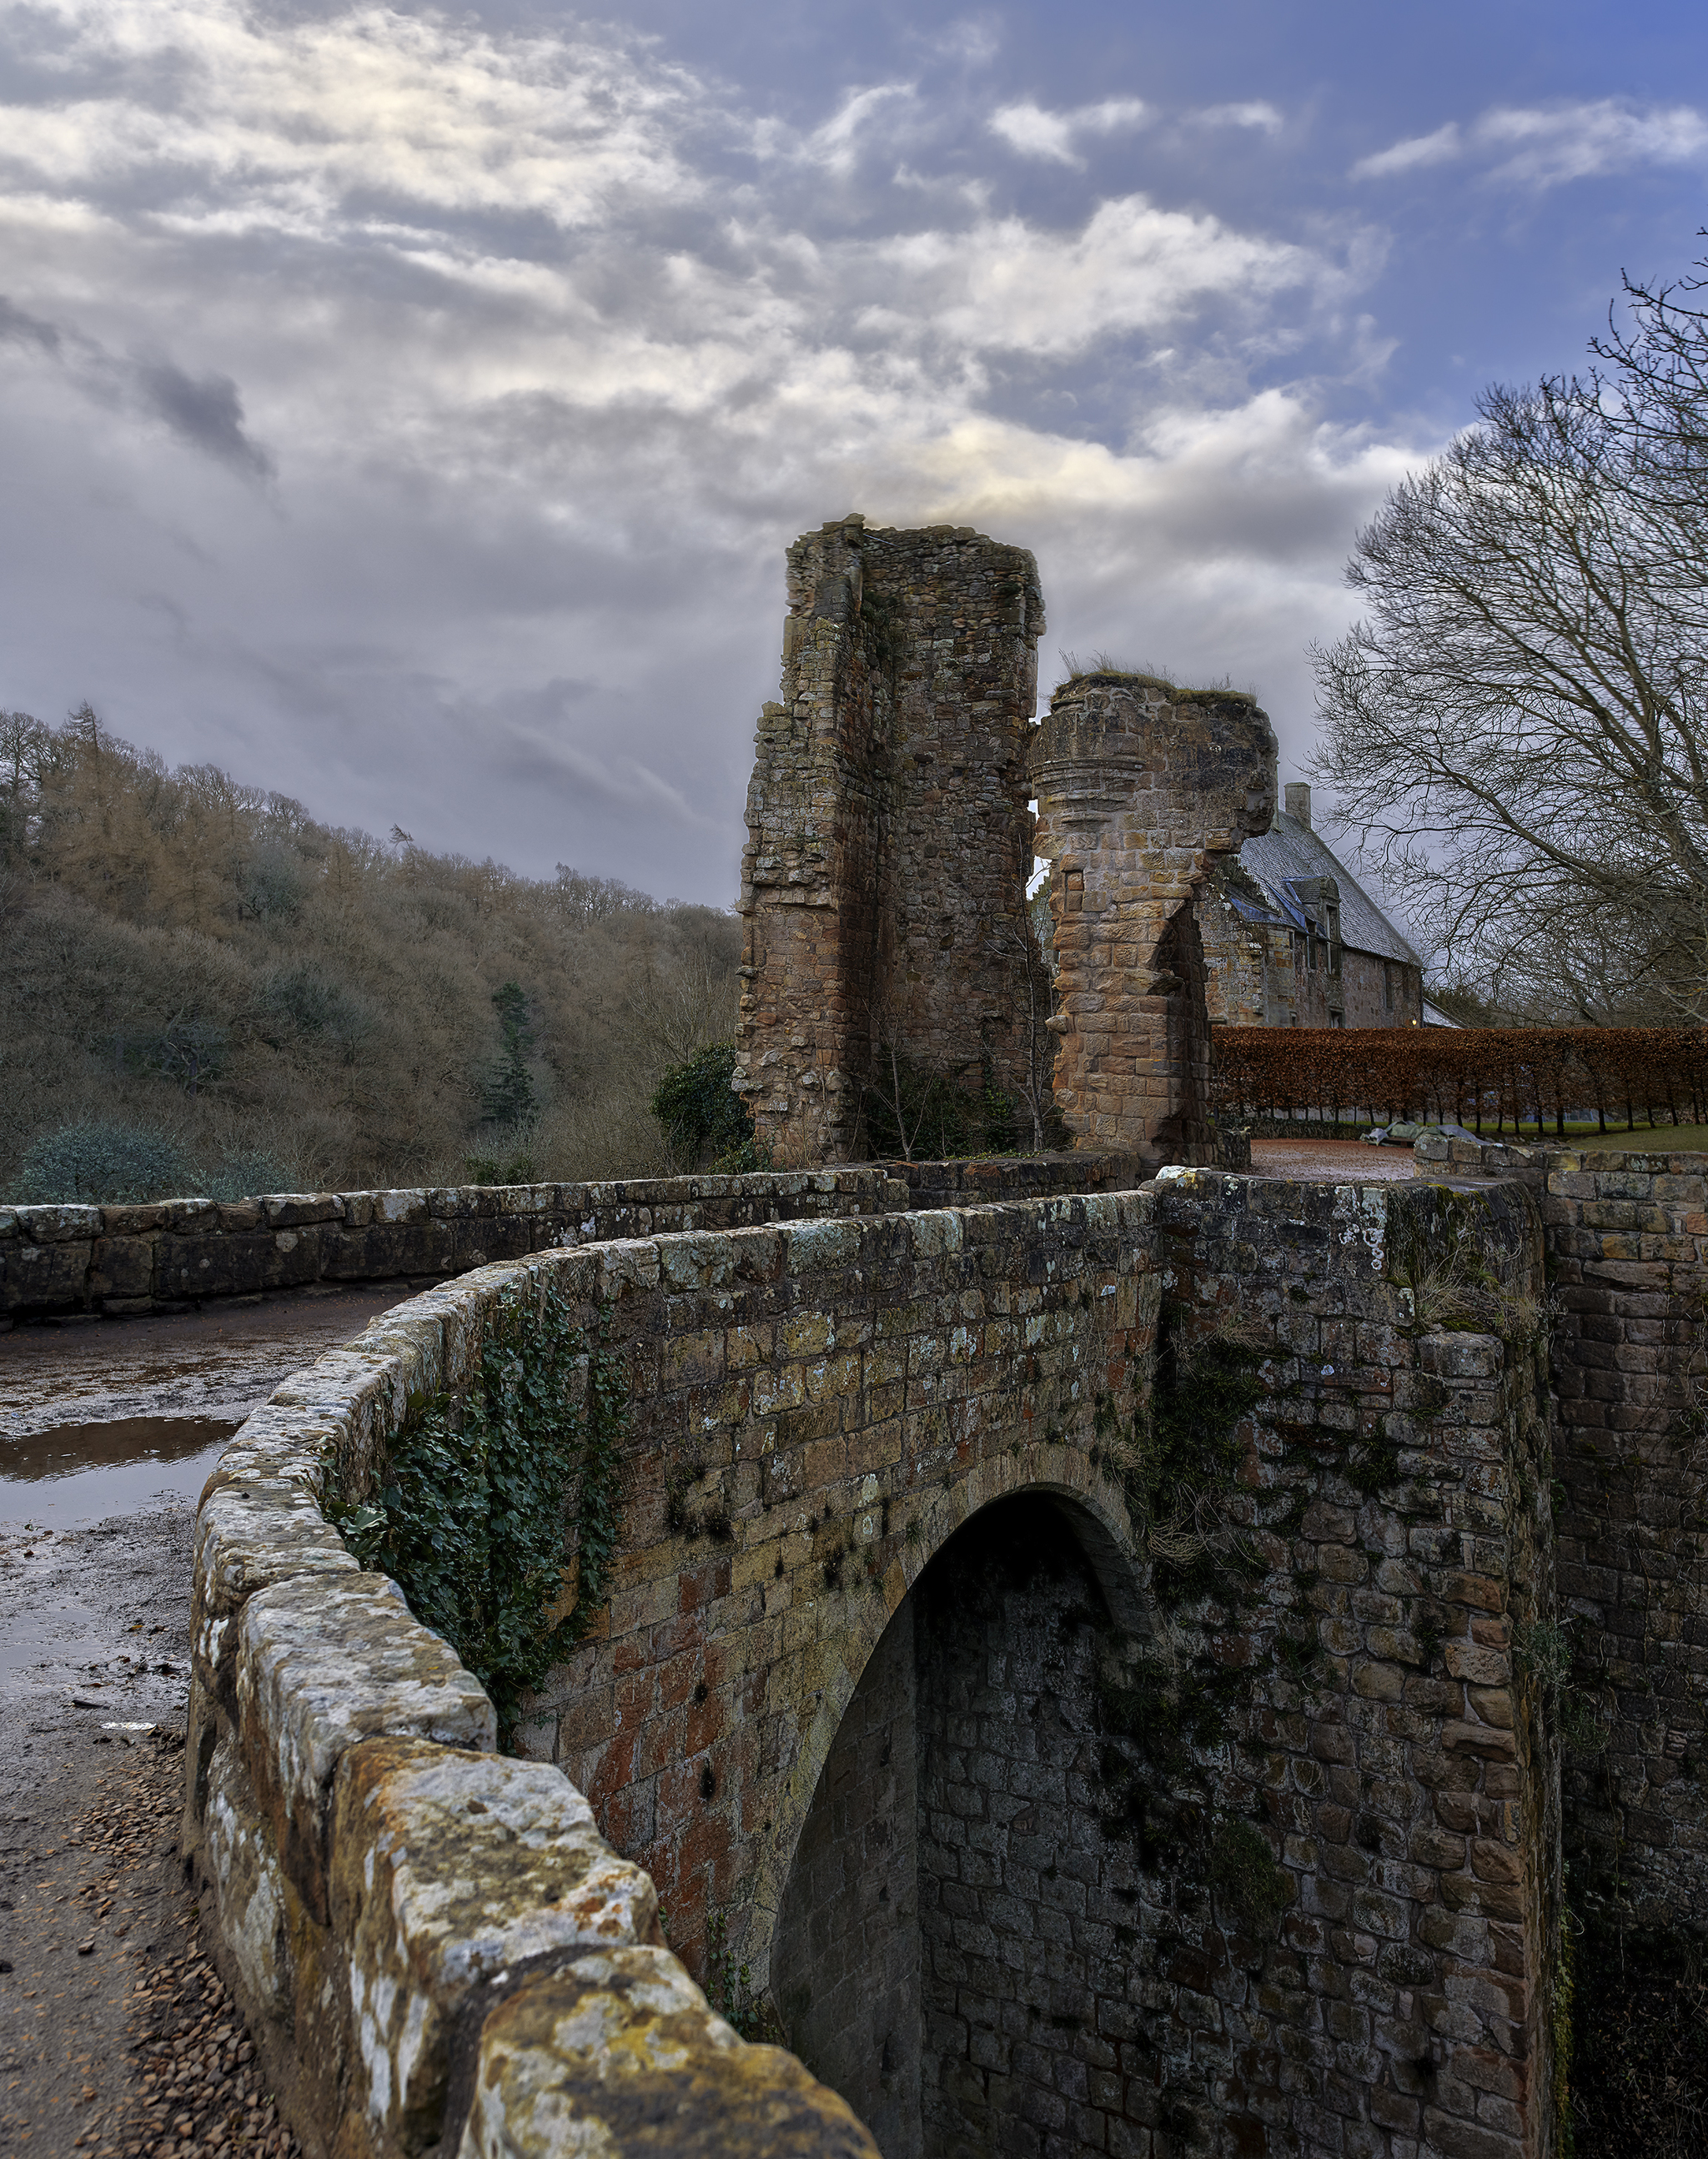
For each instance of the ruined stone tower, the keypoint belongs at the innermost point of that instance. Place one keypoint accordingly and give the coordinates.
(1139, 784)
(889, 836)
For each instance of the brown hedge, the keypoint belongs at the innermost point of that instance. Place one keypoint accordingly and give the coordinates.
(1487, 1078)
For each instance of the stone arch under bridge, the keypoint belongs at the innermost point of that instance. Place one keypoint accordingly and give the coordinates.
(1344, 1852)
(1346, 1863)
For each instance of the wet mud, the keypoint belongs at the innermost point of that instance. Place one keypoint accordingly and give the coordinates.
(116, 2038)
(221, 1362)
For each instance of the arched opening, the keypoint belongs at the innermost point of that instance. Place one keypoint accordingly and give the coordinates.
(951, 1932)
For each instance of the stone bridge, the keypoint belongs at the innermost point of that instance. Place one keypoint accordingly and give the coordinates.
(1065, 1676)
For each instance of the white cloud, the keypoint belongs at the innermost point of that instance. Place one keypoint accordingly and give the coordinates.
(413, 417)
(1133, 266)
(838, 144)
(1440, 148)
(1543, 146)
(1256, 113)
(1034, 132)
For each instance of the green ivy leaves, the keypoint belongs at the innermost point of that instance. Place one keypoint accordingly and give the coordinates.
(479, 1492)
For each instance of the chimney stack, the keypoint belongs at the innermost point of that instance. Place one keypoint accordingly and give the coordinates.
(1298, 800)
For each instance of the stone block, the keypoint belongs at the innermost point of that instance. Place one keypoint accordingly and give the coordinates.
(122, 1267)
(618, 2052)
(449, 1868)
(324, 1663)
(59, 1225)
(245, 1538)
(46, 1276)
(239, 1861)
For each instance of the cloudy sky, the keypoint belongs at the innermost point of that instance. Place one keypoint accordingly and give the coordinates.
(408, 410)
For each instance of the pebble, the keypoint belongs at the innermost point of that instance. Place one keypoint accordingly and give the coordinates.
(194, 2086)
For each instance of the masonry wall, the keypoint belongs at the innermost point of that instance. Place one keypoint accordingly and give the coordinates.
(1248, 965)
(844, 1974)
(1364, 982)
(416, 1928)
(817, 1409)
(1258, 973)
(1368, 1719)
(1367, 1710)
(178, 1254)
(1022, 1896)
(889, 839)
(1627, 1237)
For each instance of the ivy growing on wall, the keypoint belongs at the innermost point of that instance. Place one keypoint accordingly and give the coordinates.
(481, 1494)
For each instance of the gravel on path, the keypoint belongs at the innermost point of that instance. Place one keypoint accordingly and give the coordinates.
(1343, 1160)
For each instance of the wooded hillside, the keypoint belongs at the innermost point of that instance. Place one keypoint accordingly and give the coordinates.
(290, 1006)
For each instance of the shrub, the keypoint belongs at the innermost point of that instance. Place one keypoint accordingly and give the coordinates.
(305, 1001)
(104, 1165)
(1243, 1874)
(700, 1113)
(244, 1174)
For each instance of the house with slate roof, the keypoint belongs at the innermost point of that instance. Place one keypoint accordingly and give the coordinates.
(1291, 938)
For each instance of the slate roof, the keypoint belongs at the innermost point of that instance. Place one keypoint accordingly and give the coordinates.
(1290, 850)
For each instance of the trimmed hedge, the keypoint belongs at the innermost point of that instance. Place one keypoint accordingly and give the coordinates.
(1487, 1078)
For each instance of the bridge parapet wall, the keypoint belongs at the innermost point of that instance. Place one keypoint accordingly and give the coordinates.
(174, 1254)
(410, 1920)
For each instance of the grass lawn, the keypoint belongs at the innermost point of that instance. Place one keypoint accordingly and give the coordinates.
(1663, 1139)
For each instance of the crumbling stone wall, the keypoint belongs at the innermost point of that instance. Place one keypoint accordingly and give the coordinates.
(1139, 787)
(889, 838)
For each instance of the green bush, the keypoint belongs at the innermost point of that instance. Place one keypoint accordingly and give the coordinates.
(104, 1165)
(304, 1000)
(702, 1116)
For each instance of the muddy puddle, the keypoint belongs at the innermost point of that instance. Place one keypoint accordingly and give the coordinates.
(83, 1472)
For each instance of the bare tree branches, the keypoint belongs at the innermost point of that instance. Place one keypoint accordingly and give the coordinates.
(1517, 730)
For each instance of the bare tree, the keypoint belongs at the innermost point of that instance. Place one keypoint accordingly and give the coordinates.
(1518, 729)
